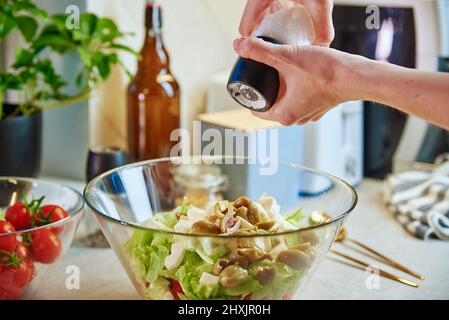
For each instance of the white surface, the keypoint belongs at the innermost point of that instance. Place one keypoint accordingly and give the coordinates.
(102, 277)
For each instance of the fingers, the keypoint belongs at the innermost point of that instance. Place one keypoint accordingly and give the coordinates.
(252, 15)
(261, 51)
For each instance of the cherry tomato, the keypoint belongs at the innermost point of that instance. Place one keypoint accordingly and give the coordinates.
(7, 243)
(22, 251)
(9, 295)
(45, 246)
(15, 277)
(19, 216)
(51, 213)
(175, 289)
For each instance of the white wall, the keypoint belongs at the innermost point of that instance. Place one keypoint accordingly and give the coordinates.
(198, 35)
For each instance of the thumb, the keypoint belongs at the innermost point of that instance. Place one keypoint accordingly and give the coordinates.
(259, 50)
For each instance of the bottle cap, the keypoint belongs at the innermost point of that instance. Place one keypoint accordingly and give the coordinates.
(153, 15)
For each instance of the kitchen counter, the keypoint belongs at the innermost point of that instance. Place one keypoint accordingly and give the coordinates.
(102, 277)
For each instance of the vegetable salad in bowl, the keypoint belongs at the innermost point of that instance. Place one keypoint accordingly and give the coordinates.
(231, 252)
(177, 236)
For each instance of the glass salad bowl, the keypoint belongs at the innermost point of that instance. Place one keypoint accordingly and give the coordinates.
(261, 238)
(38, 221)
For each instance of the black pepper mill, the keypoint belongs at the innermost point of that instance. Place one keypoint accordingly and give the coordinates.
(253, 84)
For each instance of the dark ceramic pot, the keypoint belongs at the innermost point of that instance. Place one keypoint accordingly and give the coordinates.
(20, 145)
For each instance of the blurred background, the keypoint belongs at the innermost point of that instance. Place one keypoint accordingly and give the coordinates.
(355, 140)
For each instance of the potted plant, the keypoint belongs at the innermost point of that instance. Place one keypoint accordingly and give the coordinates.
(37, 83)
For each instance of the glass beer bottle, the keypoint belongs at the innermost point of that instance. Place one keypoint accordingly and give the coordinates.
(153, 95)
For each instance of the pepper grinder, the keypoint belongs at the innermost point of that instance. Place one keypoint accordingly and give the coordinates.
(255, 85)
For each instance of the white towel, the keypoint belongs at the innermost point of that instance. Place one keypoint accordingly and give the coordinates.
(419, 199)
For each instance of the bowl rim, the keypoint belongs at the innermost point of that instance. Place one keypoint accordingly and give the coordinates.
(72, 215)
(340, 217)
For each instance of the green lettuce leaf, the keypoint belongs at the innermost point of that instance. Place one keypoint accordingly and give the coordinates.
(168, 219)
(147, 251)
(189, 275)
(295, 218)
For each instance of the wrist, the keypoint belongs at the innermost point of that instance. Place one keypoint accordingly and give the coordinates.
(354, 75)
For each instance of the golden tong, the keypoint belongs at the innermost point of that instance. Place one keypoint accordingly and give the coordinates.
(381, 272)
(318, 218)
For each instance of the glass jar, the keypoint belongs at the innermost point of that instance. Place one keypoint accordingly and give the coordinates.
(199, 184)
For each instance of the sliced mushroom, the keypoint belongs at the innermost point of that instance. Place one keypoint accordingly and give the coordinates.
(295, 259)
(233, 276)
(266, 225)
(242, 212)
(204, 227)
(253, 254)
(219, 266)
(236, 259)
(265, 275)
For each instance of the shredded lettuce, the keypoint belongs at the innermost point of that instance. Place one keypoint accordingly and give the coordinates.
(168, 219)
(189, 274)
(295, 218)
(147, 251)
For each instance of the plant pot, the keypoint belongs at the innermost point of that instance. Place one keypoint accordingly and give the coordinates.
(20, 145)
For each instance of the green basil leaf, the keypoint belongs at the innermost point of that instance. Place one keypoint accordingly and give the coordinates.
(57, 42)
(88, 24)
(23, 58)
(28, 26)
(107, 30)
(104, 68)
(7, 24)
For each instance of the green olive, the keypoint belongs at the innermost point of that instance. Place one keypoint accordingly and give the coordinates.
(233, 276)
(310, 236)
(295, 259)
(265, 275)
(204, 227)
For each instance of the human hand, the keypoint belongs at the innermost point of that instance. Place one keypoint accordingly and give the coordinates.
(313, 79)
(321, 11)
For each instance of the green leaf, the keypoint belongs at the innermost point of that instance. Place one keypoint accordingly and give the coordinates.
(57, 42)
(104, 68)
(296, 217)
(107, 30)
(28, 27)
(88, 24)
(2, 214)
(7, 24)
(23, 58)
(125, 48)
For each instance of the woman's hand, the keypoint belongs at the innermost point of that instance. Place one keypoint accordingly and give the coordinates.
(312, 78)
(321, 11)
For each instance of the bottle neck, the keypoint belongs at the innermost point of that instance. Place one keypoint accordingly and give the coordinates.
(153, 49)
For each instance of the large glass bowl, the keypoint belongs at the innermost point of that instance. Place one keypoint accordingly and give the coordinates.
(123, 200)
(12, 190)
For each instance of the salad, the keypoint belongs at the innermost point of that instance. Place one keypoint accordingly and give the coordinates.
(229, 250)
(20, 253)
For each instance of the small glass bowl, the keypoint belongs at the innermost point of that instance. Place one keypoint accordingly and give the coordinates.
(13, 190)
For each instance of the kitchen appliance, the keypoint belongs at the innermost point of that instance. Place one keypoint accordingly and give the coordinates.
(392, 40)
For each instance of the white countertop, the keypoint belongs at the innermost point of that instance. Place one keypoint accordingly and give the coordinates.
(102, 277)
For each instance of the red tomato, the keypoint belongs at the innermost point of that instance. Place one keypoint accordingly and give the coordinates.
(22, 251)
(9, 295)
(13, 278)
(45, 246)
(19, 216)
(51, 213)
(175, 289)
(7, 243)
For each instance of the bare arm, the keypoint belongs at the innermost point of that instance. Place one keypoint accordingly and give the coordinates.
(315, 79)
(423, 94)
